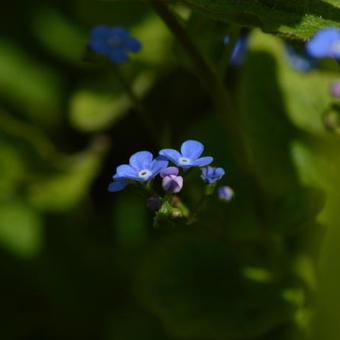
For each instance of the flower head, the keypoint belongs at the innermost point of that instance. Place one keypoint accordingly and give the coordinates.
(141, 168)
(325, 43)
(171, 182)
(301, 61)
(115, 42)
(211, 175)
(189, 156)
(225, 193)
(239, 51)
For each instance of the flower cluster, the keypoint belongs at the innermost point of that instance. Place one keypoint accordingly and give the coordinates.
(143, 168)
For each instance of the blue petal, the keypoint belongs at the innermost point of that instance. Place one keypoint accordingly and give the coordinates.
(192, 149)
(171, 154)
(99, 47)
(239, 52)
(126, 171)
(100, 32)
(172, 170)
(117, 186)
(320, 44)
(219, 172)
(141, 160)
(132, 44)
(119, 32)
(158, 164)
(203, 161)
(118, 56)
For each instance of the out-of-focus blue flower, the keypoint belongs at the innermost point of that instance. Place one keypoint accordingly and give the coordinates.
(335, 89)
(239, 52)
(172, 183)
(211, 175)
(141, 168)
(189, 156)
(115, 42)
(301, 61)
(225, 193)
(325, 43)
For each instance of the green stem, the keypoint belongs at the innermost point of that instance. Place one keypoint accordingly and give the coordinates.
(197, 209)
(226, 110)
(140, 108)
(214, 85)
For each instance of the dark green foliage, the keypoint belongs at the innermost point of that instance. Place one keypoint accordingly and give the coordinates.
(77, 262)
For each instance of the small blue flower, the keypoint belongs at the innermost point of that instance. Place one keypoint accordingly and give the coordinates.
(238, 55)
(301, 61)
(225, 193)
(325, 43)
(211, 175)
(191, 151)
(141, 168)
(115, 42)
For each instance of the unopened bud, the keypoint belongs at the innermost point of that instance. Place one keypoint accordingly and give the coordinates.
(154, 203)
(225, 193)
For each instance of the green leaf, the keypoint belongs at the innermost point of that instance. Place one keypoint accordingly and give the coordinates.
(64, 190)
(199, 291)
(38, 93)
(91, 111)
(12, 169)
(58, 34)
(296, 19)
(20, 229)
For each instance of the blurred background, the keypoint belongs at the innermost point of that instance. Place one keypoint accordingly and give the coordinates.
(77, 262)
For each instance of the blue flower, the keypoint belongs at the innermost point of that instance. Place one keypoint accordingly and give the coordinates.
(301, 61)
(325, 43)
(239, 51)
(211, 175)
(115, 42)
(191, 151)
(141, 168)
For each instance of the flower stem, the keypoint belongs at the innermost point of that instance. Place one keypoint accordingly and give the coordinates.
(224, 105)
(214, 84)
(139, 106)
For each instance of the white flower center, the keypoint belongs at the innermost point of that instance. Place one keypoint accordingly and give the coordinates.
(184, 160)
(115, 41)
(336, 47)
(144, 173)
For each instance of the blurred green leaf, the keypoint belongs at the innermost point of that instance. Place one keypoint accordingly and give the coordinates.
(195, 286)
(20, 229)
(296, 19)
(59, 34)
(29, 86)
(90, 111)
(12, 169)
(62, 191)
(268, 131)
